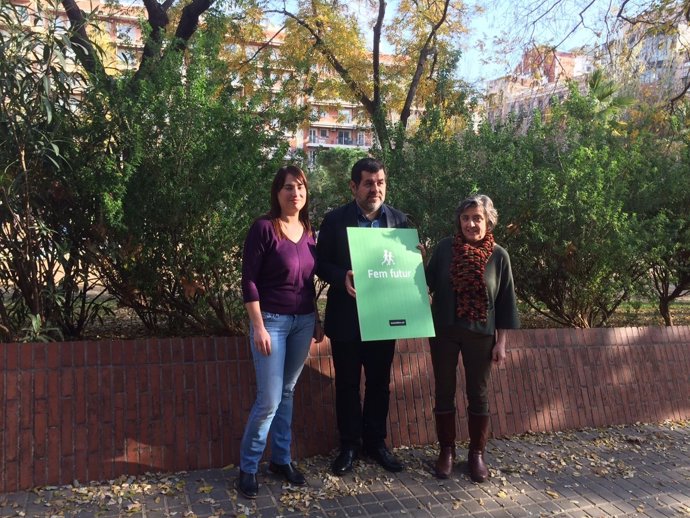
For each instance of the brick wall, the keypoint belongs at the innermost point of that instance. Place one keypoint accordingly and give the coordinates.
(95, 410)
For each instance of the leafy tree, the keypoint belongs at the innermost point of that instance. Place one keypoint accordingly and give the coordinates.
(328, 179)
(158, 25)
(329, 35)
(45, 273)
(660, 196)
(198, 161)
(560, 189)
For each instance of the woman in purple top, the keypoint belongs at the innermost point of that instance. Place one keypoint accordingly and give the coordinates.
(278, 266)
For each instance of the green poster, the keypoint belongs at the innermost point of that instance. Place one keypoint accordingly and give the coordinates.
(392, 297)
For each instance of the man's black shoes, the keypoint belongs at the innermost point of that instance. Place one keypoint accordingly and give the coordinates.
(344, 462)
(385, 458)
(247, 485)
(289, 472)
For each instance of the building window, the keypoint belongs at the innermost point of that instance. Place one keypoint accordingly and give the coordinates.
(360, 139)
(317, 113)
(345, 116)
(125, 57)
(125, 32)
(22, 13)
(323, 133)
(60, 24)
(344, 138)
(311, 157)
(312, 135)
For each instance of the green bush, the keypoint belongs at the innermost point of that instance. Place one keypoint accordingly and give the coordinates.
(196, 158)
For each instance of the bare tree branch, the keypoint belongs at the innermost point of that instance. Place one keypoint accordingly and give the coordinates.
(158, 20)
(424, 53)
(189, 22)
(581, 23)
(262, 47)
(675, 99)
(332, 59)
(376, 63)
(83, 48)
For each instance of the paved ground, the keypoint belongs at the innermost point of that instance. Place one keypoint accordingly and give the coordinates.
(640, 470)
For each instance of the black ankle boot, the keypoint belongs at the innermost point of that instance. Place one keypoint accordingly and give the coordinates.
(247, 485)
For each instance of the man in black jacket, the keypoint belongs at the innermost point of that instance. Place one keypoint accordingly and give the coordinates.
(359, 425)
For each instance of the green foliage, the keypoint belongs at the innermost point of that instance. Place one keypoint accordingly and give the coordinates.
(329, 180)
(660, 197)
(197, 162)
(560, 187)
(560, 192)
(44, 268)
(428, 174)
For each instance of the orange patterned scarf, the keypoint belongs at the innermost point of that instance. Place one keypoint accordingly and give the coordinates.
(467, 276)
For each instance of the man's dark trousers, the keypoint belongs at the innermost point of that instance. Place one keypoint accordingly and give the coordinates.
(356, 421)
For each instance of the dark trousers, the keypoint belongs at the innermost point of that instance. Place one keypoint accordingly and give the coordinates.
(475, 348)
(362, 424)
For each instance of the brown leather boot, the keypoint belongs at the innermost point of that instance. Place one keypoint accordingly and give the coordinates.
(479, 433)
(445, 430)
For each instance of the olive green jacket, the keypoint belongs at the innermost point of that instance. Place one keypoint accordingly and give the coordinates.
(502, 311)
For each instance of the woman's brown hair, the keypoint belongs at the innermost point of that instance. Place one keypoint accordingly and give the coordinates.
(276, 186)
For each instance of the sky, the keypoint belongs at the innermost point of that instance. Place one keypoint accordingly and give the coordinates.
(499, 30)
(499, 34)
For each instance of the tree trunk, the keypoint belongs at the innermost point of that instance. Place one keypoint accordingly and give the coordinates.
(665, 311)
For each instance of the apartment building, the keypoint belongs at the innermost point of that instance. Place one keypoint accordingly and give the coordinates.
(332, 123)
(540, 77)
(115, 28)
(649, 56)
(654, 51)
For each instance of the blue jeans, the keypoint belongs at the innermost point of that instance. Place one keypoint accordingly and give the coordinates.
(276, 377)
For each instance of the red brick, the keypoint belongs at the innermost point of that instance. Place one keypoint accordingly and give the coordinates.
(188, 350)
(201, 389)
(153, 351)
(192, 418)
(67, 383)
(80, 396)
(117, 352)
(94, 466)
(40, 428)
(11, 431)
(26, 359)
(129, 352)
(26, 461)
(93, 381)
(80, 466)
(117, 379)
(141, 353)
(11, 356)
(105, 355)
(165, 349)
(53, 462)
(157, 450)
(67, 468)
(12, 383)
(79, 353)
(40, 355)
(91, 353)
(26, 397)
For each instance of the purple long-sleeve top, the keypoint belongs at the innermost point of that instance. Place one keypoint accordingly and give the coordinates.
(278, 272)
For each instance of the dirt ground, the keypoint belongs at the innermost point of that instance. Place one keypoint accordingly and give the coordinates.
(124, 324)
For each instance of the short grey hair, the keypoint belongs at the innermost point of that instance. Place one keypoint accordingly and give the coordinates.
(479, 200)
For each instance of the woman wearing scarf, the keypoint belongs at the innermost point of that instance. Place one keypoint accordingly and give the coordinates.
(473, 301)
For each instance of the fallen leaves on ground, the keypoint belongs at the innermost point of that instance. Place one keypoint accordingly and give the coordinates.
(533, 458)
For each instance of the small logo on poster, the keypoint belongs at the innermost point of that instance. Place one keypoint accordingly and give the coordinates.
(397, 322)
(388, 258)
